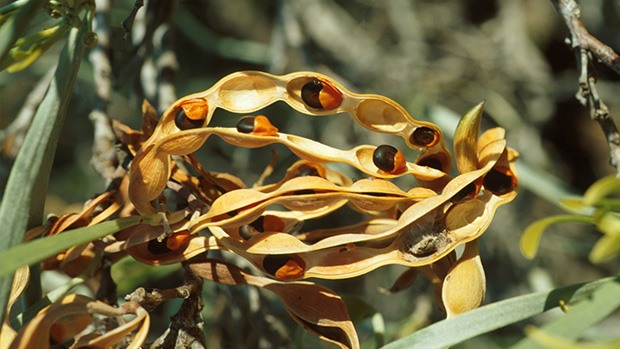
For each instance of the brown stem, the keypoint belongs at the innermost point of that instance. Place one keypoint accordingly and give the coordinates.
(586, 46)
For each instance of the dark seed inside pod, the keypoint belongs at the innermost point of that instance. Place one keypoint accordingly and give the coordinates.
(498, 182)
(258, 224)
(185, 123)
(423, 136)
(432, 163)
(310, 94)
(272, 263)
(383, 157)
(246, 124)
(156, 247)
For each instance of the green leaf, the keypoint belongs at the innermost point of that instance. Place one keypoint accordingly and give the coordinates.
(532, 234)
(582, 316)
(496, 315)
(548, 340)
(600, 189)
(16, 25)
(22, 204)
(37, 250)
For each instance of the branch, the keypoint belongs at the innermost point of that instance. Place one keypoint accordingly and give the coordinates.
(585, 45)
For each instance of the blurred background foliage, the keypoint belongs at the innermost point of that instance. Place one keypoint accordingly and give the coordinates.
(437, 58)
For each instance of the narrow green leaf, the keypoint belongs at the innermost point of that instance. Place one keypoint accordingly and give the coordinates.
(40, 249)
(600, 189)
(531, 236)
(550, 341)
(583, 315)
(16, 25)
(496, 315)
(22, 204)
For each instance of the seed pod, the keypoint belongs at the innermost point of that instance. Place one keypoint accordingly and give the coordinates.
(170, 243)
(389, 159)
(321, 95)
(257, 125)
(192, 114)
(311, 170)
(424, 136)
(262, 224)
(500, 181)
(284, 267)
(431, 162)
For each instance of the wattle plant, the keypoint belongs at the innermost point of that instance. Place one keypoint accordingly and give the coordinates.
(419, 227)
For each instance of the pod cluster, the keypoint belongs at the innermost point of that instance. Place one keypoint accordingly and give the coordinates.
(418, 227)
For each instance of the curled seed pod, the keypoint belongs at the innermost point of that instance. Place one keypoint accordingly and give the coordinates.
(424, 136)
(321, 95)
(257, 125)
(470, 191)
(311, 170)
(185, 123)
(284, 267)
(431, 162)
(262, 224)
(389, 159)
(192, 114)
(500, 181)
(170, 243)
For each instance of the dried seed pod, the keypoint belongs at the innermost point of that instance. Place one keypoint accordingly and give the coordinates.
(170, 243)
(424, 137)
(258, 125)
(192, 114)
(500, 181)
(432, 162)
(266, 223)
(320, 94)
(389, 159)
(311, 170)
(284, 267)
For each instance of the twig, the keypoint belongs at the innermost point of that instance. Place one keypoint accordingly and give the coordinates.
(127, 23)
(585, 45)
(186, 326)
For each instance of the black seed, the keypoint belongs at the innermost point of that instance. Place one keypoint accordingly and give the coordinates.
(465, 192)
(156, 247)
(310, 94)
(423, 136)
(498, 182)
(383, 157)
(246, 124)
(185, 123)
(309, 171)
(232, 213)
(432, 163)
(272, 263)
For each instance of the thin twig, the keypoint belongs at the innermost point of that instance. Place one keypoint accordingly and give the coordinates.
(586, 46)
(127, 23)
(186, 326)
